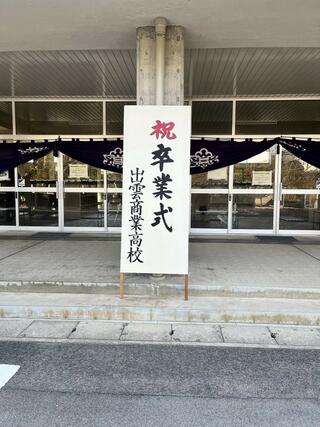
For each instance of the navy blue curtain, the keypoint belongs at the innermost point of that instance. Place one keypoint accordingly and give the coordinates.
(100, 154)
(205, 155)
(15, 154)
(307, 150)
(209, 155)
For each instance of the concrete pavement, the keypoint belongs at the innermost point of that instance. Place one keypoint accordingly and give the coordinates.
(82, 306)
(242, 335)
(245, 262)
(251, 279)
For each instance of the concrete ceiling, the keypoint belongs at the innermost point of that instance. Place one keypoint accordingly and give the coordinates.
(111, 24)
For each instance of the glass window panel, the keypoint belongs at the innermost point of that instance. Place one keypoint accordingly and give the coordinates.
(59, 118)
(42, 172)
(257, 172)
(7, 208)
(296, 173)
(7, 178)
(114, 180)
(77, 174)
(114, 117)
(277, 117)
(83, 210)
(38, 209)
(213, 179)
(252, 211)
(114, 209)
(209, 211)
(300, 212)
(5, 118)
(211, 118)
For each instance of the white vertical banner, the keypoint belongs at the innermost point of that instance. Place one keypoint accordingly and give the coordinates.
(156, 189)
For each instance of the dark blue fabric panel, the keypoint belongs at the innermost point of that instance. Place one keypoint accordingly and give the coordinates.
(100, 154)
(306, 150)
(15, 154)
(209, 155)
(205, 155)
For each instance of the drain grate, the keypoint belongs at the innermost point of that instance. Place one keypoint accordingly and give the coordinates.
(50, 236)
(277, 239)
(221, 240)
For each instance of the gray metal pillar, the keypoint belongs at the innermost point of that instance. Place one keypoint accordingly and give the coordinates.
(152, 87)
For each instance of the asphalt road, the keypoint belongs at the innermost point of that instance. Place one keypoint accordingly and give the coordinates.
(153, 385)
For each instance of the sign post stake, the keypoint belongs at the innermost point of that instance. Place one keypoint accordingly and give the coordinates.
(186, 287)
(121, 285)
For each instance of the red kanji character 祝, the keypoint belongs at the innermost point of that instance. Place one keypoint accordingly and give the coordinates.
(163, 129)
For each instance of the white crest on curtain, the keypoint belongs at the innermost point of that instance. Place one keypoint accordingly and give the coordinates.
(114, 158)
(203, 158)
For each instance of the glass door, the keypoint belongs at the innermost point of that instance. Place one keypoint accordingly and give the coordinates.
(252, 194)
(299, 205)
(209, 201)
(37, 194)
(8, 217)
(114, 201)
(84, 196)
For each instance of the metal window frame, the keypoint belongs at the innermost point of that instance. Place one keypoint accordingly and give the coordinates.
(230, 190)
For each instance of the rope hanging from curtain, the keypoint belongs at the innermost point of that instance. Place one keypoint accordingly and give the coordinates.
(205, 155)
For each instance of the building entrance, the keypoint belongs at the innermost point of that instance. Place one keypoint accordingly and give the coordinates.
(271, 193)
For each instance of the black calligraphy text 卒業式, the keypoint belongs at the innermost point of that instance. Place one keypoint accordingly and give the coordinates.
(161, 157)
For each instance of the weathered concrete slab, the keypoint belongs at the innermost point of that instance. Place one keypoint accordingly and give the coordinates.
(49, 329)
(9, 248)
(197, 309)
(98, 330)
(313, 250)
(63, 260)
(11, 328)
(246, 334)
(265, 265)
(147, 332)
(297, 336)
(213, 262)
(196, 333)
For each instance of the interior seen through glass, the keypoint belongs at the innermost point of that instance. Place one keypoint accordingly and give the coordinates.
(267, 192)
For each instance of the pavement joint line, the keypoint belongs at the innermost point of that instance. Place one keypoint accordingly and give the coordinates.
(122, 333)
(74, 329)
(90, 341)
(221, 333)
(306, 253)
(140, 394)
(24, 330)
(21, 250)
(272, 334)
(171, 333)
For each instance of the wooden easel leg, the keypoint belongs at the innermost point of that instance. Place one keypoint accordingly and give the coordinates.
(186, 287)
(121, 285)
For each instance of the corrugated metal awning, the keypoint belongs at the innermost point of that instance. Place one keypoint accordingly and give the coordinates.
(208, 73)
